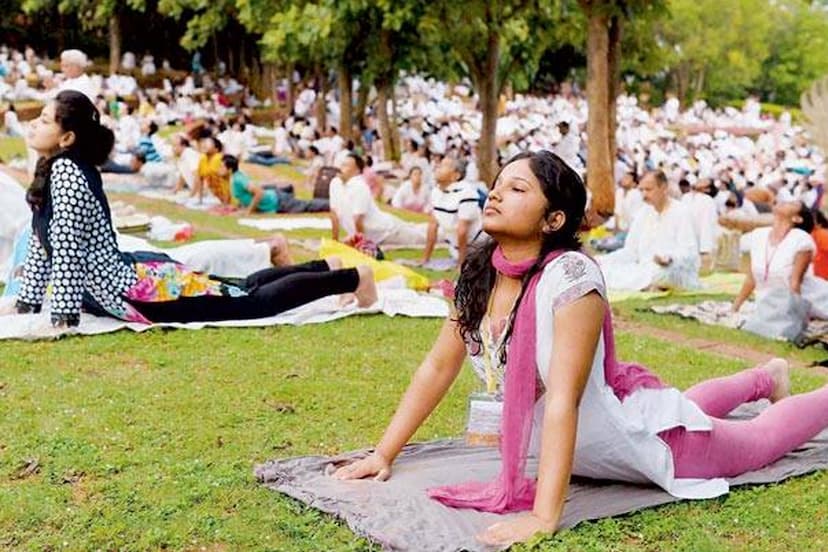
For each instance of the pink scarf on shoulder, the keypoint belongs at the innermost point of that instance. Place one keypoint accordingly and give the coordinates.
(511, 490)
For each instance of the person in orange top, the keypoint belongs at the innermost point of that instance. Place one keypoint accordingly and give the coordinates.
(208, 173)
(820, 235)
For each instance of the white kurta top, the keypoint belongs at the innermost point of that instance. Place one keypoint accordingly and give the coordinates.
(615, 440)
(352, 199)
(669, 233)
(704, 218)
(14, 215)
(627, 204)
(772, 267)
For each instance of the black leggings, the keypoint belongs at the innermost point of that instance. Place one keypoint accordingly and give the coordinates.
(269, 292)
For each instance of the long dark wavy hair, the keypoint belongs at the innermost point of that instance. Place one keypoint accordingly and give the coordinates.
(74, 112)
(808, 218)
(564, 191)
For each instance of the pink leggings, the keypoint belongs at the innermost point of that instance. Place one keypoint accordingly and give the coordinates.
(735, 447)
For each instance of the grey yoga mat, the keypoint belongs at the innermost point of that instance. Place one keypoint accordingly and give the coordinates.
(398, 514)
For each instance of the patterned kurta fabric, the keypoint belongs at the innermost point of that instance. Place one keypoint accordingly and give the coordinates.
(85, 258)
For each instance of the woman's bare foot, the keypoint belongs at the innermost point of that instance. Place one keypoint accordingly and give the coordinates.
(279, 251)
(779, 370)
(334, 263)
(366, 291)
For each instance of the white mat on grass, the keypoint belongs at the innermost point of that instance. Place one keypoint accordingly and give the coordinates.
(182, 198)
(392, 302)
(287, 223)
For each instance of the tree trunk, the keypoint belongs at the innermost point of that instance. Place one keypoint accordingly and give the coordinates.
(362, 101)
(231, 58)
(700, 84)
(291, 86)
(345, 101)
(114, 43)
(384, 91)
(320, 107)
(599, 162)
(614, 70)
(269, 73)
(487, 91)
(61, 32)
(396, 152)
(244, 67)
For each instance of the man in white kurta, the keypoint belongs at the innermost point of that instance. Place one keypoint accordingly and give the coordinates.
(704, 216)
(628, 201)
(354, 210)
(660, 251)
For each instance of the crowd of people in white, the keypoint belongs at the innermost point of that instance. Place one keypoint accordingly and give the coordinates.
(684, 176)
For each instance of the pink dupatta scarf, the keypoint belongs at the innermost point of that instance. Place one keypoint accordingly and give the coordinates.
(511, 490)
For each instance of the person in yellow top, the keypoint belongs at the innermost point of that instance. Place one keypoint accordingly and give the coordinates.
(208, 173)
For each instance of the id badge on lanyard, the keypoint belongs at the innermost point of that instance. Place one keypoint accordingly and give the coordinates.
(483, 425)
(485, 409)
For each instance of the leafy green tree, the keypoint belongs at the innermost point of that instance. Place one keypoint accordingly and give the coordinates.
(798, 51)
(716, 50)
(489, 42)
(95, 14)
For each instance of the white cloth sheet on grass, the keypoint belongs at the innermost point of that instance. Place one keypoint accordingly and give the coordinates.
(392, 302)
(287, 223)
(182, 198)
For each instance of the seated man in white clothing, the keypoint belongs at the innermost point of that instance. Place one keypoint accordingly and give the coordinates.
(354, 211)
(660, 251)
(186, 162)
(628, 201)
(704, 218)
(455, 211)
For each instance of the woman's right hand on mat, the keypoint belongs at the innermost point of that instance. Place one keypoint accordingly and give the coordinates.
(374, 465)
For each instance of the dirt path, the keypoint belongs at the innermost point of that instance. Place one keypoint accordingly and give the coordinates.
(746, 354)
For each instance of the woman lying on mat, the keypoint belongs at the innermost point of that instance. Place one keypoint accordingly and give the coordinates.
(531, 311)
(73, 246)
(780, 257)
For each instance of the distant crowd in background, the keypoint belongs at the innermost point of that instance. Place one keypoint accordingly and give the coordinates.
(688, 181)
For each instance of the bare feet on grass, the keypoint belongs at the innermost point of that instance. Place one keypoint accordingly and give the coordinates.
(366, 291)
(779, 370)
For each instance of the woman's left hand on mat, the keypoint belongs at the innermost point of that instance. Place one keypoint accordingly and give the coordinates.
(374, 465)
(519, 529)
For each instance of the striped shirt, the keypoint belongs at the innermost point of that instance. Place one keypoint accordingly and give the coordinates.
(457, 202)
(147, 147)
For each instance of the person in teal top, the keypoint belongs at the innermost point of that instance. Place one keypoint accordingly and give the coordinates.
(264, 199)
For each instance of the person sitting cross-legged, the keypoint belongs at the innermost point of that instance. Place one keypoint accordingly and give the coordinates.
(661, 250)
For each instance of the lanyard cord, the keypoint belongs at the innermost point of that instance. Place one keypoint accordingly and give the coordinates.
(770, 254)
(488, 342)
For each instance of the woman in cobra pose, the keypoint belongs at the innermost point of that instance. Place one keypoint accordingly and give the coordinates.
(73, 246)
(536, 306)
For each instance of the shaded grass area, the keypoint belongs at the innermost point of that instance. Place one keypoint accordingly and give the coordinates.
(147, 441)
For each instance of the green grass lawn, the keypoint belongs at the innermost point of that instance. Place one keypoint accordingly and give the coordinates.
(148, 441)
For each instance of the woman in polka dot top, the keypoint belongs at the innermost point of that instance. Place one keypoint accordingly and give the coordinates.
(73, 245)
